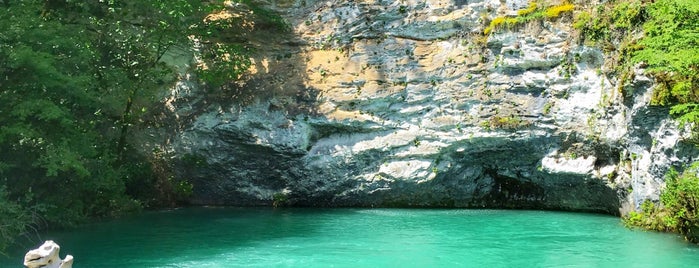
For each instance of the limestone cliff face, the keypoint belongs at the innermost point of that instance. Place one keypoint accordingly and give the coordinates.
(400, 103)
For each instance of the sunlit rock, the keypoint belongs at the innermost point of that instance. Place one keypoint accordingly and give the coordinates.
(371, 103)
(47, 256)
(566, 164)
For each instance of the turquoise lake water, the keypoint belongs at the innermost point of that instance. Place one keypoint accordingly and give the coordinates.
(265, 237)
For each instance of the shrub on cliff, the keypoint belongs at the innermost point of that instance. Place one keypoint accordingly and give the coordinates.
(668, 48)
(681, 200)
(679, 206)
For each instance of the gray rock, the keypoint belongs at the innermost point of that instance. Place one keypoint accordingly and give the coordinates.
(403, 108)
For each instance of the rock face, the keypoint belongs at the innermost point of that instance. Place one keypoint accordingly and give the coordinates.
(47, 256)
(405, 103)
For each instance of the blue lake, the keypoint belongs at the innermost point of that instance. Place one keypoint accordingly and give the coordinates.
(266, 237)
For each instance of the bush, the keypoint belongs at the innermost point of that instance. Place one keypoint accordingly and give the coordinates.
(610, 21)
(678, 210)
(681, 200)
(581, 20)
(670, 50)
(650, 217)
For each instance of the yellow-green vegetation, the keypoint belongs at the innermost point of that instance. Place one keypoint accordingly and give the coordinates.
(609, 22)
(555, 11)
(505, 122)
(494, 24)
(528, 10)
(547, 108)
(581, 19)
(678, 209)
(536, 10)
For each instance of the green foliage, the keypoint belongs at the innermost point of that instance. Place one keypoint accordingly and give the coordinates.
(669, 48)
(268, 18)
(581, 20)
(681, 200)
(686, 112)
(184, 190)
(279, 199)
(679, 210)
(53, 149)
(222, 60)
(416, 142)
(194, 160)
(226, 63)
(529, 10)
(547, 108)
(75, 78)
(648, 218)
(609, 21)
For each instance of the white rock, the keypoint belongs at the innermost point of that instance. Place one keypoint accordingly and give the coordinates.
(406, 169)
(406, 91)
(554, 163)
(46, 256)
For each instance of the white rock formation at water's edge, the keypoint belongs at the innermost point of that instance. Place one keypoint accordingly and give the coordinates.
(47, 256)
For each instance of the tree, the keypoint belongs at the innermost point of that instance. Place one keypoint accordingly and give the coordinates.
(74, 78)
(48, 134)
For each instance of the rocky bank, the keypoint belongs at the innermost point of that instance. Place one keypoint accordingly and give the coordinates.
(406, 103)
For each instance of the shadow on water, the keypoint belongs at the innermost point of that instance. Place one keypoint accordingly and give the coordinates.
(153, 238)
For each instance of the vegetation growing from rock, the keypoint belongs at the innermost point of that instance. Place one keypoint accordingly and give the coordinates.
(679, 206)
(661, 37)
(511, 122)
(537, 10)
(668, 47)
